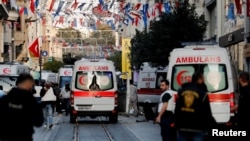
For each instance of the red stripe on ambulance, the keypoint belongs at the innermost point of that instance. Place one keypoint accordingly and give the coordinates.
(149, 91)
(215, 97)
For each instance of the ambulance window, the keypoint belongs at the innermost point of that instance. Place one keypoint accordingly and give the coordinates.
(160, 76)
(63, 80)
(104, 80)
(181, 74)
(215, 77)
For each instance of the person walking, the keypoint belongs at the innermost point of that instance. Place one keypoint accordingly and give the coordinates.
(165, 112)
(192, 116)
(20, 111)
(37, 89)
(65, 94)
(48, 100)
(242, 108)
(133, 98)
(57, 92)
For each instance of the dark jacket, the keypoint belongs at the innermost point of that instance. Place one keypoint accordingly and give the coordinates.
(201, 119)
(243, 109)
(19, 113)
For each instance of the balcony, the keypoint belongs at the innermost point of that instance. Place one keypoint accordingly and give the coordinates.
(19, 37)
(13, 16)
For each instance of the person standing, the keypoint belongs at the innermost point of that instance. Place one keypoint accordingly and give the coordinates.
(165, 111)
(20, 111)
(48, 100)
(192, 116)
(65, 94)
(133, 98)
(244, 103)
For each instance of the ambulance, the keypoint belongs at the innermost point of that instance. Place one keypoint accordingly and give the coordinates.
(94, 90)
(219, 73)
(148, 86)
(9, 73)
(65, 75)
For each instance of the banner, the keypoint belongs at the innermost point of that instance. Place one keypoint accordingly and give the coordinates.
(126, 66)
(34, 49)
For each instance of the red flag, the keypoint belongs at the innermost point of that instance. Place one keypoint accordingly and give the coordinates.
(21, 11)
(52, 5)
(74, 6)
(238, 6)
(32, 6)
(34, 49)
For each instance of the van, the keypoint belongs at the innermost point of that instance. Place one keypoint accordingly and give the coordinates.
(64, 75)
(9, 73)
(94, 89)
(220, 76)
(148, 85)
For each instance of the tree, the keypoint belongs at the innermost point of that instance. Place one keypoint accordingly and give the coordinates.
(117, 59)
(53, 66)
(154, 45)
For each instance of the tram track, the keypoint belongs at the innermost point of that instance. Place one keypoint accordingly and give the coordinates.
(101, 123)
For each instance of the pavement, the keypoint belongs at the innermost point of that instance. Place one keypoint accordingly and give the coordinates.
(126, 128)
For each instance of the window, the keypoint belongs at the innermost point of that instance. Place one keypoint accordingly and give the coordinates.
(63, 80)
(101, 79)
(160, 76)
(215, 76)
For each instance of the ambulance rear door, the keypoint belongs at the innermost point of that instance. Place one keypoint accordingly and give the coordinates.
(100, 97)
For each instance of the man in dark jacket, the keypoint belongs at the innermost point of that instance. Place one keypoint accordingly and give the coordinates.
(193, 117)
(244, 103)
(20, 111)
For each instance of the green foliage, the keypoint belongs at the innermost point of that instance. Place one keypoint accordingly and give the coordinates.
(117, 59)
(154, 46)
(53, 66)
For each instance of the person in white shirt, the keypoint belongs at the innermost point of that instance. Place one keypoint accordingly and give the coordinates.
(48, 100)
(37, 88)
(65, 94)
(165, 111)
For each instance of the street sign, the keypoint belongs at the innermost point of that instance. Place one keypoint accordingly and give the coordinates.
(44, 53)
(50, 59)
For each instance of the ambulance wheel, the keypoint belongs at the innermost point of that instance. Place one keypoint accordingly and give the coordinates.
(113, 118)
(72, 119)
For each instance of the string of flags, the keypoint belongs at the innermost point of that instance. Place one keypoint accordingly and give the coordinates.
(89, 14)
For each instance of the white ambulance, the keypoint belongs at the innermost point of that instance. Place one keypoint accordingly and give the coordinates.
(65, 75)
(148, 86)
(219, 73)
(9, 73)
(94, 89)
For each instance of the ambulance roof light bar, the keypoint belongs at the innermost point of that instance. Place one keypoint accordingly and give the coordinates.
(197, 43)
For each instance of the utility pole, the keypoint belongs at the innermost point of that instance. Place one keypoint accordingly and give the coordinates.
(40, 66)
